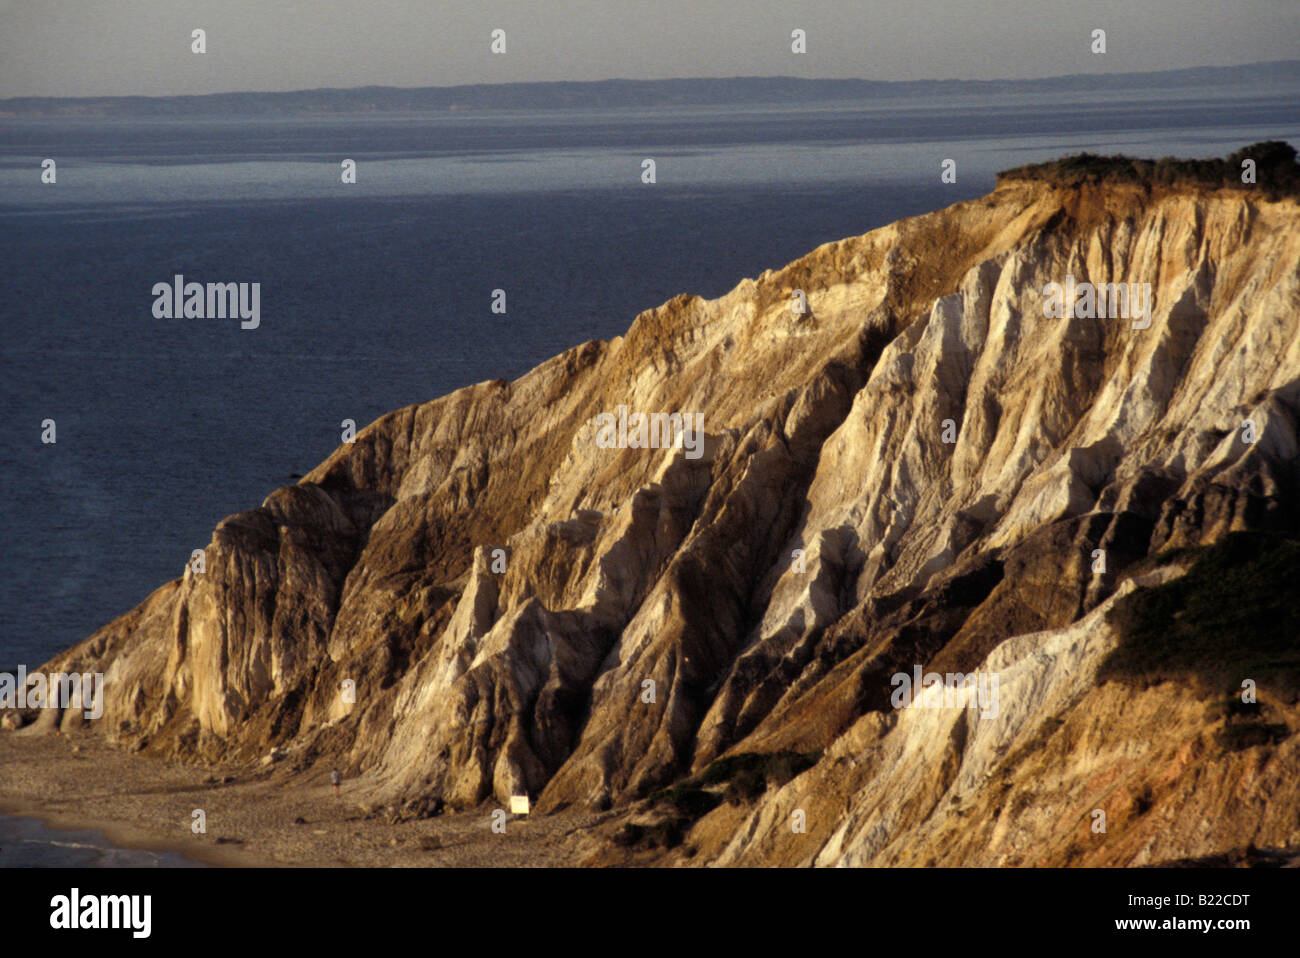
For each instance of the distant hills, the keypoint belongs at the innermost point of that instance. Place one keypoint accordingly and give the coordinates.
(612, 94)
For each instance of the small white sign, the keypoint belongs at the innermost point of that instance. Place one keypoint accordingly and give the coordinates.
(518, 804)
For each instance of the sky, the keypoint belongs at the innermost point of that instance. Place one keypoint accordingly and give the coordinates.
(129, 47)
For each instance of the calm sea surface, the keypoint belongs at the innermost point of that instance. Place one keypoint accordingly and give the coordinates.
(26, 843)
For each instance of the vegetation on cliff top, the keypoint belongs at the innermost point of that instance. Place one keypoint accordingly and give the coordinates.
(1276, 171)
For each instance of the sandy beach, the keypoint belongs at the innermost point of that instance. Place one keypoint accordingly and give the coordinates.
(263, 817)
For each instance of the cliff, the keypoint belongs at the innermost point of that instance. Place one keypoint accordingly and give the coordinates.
(920, 470)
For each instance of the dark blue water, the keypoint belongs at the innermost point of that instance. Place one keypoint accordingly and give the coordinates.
(378, 295)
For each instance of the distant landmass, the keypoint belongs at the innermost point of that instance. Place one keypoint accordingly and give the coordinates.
(610, 94)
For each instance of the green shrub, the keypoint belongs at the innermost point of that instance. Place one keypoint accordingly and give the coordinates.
(774, 766)
(629, 835)
(665, 834)
(668, 833)
(745, 777)
(1276, 171)
(745, 787)
(1238, 737)
(1234, 615)
(687, 799)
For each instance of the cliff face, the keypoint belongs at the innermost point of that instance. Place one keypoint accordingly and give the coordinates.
(915, 472)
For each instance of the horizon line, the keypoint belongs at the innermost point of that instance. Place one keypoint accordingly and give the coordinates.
(651, 80)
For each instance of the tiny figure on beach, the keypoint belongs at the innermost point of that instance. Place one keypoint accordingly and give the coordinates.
(335, 779)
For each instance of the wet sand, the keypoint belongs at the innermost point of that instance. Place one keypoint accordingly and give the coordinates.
(80, 782)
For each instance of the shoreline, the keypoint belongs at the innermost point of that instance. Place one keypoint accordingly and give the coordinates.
(18, 803)
(260, 818)
(115, 837)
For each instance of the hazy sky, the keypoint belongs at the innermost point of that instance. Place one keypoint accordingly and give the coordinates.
(105, 47)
